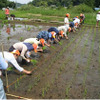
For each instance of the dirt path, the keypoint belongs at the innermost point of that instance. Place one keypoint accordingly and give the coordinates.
(70, 70)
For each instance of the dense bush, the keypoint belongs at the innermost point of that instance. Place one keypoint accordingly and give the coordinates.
(26, 7)
(82, 8)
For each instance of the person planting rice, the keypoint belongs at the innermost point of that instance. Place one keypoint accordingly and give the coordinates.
(47, 36)
(76, 21)
(10, 57)
(63, 30)
(71, 25)
(25, 49)
(36, 41)
(12, 16)
(58, 33)
(82, 18)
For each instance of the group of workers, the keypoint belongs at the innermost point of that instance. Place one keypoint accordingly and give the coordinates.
(25, 48)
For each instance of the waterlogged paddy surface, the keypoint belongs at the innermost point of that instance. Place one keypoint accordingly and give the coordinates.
(70, 70)
(12, 33)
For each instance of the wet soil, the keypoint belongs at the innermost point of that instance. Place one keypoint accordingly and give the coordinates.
(67, 71)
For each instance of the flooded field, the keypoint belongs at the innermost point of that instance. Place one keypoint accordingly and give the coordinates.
(67, 71)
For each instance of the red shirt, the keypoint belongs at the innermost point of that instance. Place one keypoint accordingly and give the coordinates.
(6, 11)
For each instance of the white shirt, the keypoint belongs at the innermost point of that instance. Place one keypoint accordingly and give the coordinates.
(66, 21)
(9, 57)
(98, 17)
(21, 47)
(63, 28)
(76, 21)
(32, 40)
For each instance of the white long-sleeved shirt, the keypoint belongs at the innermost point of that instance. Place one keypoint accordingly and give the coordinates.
(9, 57)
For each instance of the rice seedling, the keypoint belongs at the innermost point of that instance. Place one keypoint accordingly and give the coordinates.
(18, 82)
(60, 43)
(37, 80)
(9, 68)
(21, 39)
(67, 91)
(8, 38)
(88, 66)
(43, 47)
(29, 28)
(29, 88)
(19, 26)
(16, 86)
(43, 73)
(52, 47)
(43, 92)
(2, 24)
(34, 62)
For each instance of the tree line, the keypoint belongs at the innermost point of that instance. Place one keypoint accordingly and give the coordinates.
(6, 3)
(65, 3)
(57, 3)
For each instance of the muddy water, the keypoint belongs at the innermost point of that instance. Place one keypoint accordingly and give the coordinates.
(71, 70)
(12, 33)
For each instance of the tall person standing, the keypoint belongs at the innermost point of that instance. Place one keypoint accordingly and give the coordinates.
(98, 18)
(7, 12)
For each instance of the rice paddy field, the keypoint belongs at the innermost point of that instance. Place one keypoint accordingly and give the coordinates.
(69, 70)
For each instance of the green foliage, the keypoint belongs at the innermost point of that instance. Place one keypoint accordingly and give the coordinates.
(8, 37)
(43, 47)
(34, 62)
(53, 47)
(29, 28)
(5, 3)
(9, 68)
(21, 39)
(82, 8)
(26, 7)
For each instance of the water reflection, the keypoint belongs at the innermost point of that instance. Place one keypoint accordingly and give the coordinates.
(13, 26)
(8, 30)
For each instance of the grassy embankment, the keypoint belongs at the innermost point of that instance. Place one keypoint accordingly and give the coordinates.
(53, 14)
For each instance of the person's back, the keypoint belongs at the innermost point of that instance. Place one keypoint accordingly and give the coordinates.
(43, 34)
(53, 29)
(19, 46)
(32, 40)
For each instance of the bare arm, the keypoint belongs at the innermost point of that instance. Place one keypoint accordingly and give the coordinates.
(26, 72)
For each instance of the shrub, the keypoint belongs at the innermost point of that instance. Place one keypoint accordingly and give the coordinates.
(82, 8)
(26, 7)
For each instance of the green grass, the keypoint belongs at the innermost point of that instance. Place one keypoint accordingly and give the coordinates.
(53, 14)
